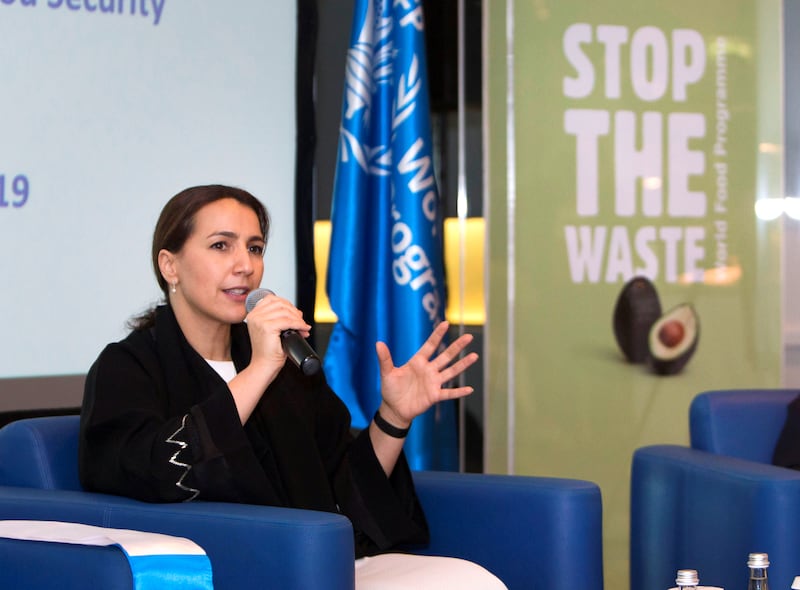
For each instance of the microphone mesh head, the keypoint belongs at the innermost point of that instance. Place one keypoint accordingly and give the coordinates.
(254, 296)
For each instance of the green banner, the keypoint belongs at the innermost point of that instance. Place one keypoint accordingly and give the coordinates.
(628, 146)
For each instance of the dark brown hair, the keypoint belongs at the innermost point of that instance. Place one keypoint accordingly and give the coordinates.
(176, 223)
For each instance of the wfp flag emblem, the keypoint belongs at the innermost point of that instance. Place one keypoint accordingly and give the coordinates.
(385, 270)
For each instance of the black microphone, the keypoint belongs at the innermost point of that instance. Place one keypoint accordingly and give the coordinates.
(294, 345)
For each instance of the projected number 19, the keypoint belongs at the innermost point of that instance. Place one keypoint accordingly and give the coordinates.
(14, 190)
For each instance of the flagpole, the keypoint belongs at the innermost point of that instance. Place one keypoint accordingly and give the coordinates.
(461, 210)
(511, 200)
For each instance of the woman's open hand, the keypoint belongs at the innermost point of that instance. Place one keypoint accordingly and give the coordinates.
(411, 389)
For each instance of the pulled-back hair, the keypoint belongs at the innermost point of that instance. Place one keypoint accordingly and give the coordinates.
(176, 223)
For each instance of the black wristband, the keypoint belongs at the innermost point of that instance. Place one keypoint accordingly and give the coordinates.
(387, 428)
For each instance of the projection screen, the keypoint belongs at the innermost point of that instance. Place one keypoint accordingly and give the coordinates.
(107, 109)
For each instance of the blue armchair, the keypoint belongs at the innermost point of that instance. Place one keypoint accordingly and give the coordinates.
(531, 532)
(707, 507)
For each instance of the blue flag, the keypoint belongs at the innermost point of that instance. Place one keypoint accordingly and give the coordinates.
(385, 271)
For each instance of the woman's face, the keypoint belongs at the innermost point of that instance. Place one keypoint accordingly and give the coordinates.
(220, 263)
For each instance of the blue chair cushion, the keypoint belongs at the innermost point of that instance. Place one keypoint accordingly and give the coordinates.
(742, 423)
(40, 453)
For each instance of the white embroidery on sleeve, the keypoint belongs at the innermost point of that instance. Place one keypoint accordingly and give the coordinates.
(174, 460)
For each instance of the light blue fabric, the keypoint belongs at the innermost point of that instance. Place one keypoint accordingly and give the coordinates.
(385, 270)
(171, 572)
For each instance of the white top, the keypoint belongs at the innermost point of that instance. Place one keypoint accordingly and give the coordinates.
(225, 369)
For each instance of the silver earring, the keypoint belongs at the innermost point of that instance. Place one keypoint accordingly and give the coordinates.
(173, 288)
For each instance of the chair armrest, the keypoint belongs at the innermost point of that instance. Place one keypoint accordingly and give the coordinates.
(531, 532)
(248, 546)
(39, 564)
(693, 509)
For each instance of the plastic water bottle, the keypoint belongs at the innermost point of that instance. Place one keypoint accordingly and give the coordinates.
(687, 579)
(758, 564)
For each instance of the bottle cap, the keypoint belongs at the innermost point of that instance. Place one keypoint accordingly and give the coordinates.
(687, 578)
(758, 560)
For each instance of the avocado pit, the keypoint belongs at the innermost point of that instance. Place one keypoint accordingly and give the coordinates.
(671, 333)
(673, 340)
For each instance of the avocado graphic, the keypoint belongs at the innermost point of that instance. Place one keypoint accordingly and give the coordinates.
(673, 339)
(637, 308)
